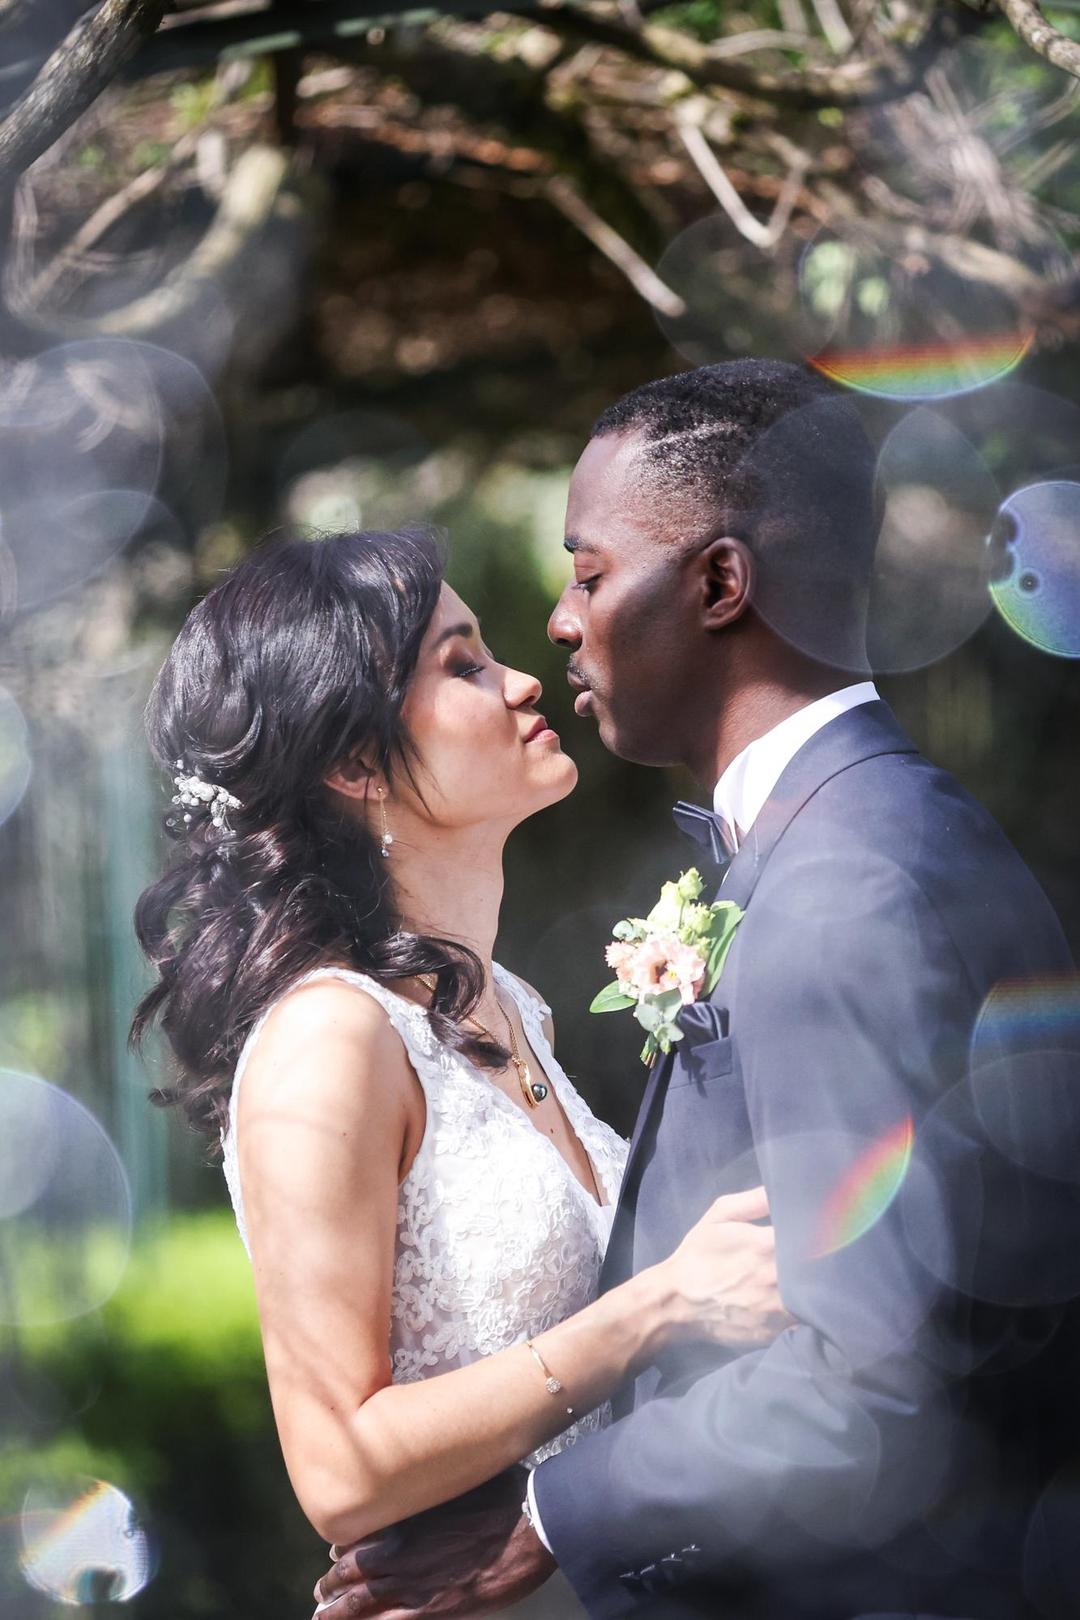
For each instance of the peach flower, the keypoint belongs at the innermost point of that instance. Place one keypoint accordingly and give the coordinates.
(661, 962)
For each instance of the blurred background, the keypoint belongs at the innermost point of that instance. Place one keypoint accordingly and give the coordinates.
(332, 263)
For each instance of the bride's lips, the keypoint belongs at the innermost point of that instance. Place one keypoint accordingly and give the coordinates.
(541, 732)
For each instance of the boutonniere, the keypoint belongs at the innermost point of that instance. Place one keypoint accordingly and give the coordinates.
(668, 959)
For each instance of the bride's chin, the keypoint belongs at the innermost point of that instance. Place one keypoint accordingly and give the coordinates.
(561, 784)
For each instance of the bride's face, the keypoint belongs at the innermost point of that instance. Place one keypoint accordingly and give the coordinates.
(486, 753)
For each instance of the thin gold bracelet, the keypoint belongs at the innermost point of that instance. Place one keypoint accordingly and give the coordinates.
(554, 1386)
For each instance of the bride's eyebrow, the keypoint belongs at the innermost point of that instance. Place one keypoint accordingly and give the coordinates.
(465, 631)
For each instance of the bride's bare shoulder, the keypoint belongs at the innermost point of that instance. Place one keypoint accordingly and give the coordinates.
(325, 1044)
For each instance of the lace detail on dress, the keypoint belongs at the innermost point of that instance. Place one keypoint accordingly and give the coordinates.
(496, 1238)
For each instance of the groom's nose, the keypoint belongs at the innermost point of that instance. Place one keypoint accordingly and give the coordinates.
(564, 627)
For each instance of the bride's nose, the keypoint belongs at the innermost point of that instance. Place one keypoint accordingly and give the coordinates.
(521, 689)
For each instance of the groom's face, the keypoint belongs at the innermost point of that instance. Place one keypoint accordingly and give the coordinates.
(630, 617)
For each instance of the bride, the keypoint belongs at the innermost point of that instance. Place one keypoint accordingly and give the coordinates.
(425, 1197)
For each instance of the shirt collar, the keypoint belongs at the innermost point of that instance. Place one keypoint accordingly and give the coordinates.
(752, 775)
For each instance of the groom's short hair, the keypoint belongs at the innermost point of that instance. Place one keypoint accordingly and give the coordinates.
(781, 459)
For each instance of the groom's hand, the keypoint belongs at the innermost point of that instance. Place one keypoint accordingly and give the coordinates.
(467, 1559)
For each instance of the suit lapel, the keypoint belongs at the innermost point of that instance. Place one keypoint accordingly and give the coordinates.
(862, 733)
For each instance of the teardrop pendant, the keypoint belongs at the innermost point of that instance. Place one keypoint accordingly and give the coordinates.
(539, 1090)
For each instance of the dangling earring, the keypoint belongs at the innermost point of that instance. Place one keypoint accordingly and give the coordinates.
(387, 836)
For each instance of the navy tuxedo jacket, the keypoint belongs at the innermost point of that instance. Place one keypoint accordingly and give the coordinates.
(881, 1050)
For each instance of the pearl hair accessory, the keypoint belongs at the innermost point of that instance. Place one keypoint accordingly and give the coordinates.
(193, 791)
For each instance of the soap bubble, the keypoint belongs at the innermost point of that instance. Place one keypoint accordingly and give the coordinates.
(894, 602)
(932, 567)
(65, 1205)
(83, 422)
(83, 1544)
(1039, 595)
(900, 325)
(736, 301)
(1025, 1074)
(1000, 1233)
(15, 763)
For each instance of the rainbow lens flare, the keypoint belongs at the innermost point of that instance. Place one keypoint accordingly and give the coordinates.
(903, 326)
(1029, 1015)
(930, 370)
(1039, 596)
(867, 1189)
(87, 1549)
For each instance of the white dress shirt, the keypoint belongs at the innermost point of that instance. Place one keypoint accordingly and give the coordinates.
(748, 781)
(739, 798)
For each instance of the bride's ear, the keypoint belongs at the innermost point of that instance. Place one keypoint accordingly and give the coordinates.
(353, 777)
(727, 581)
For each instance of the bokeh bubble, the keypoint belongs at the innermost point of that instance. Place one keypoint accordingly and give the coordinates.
(84, 535)
(83, 1544)
(66, 1218)
(932, 567)
(15, 763)
(1051, 1567)
(900, 324)
(91, 431)
(1025, 1074)
(837, 1197)
(736, 302)
(354, 470)
(1037, 590)
(1023, 435)
(889, 586)
(997, 1232)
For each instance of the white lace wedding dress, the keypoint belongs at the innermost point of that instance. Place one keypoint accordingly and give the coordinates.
(496, 1237)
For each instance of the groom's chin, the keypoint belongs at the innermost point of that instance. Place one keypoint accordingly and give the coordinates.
(630, 745)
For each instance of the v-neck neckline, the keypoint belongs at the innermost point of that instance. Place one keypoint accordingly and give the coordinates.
(552, 1072)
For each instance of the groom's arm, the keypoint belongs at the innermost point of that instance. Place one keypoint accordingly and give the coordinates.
(834, 1437)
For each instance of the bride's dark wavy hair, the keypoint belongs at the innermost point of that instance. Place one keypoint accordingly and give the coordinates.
(296, 662)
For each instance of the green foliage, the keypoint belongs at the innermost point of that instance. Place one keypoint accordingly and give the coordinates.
(611, 999)
(180, 1420)
(90, 156)
(150, 155)
(193, 102)
(704, 19)
(34, 1032)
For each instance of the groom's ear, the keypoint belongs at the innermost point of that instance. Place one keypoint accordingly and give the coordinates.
(727, 581)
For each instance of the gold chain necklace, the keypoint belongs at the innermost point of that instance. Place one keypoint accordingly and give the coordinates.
(533, 1091)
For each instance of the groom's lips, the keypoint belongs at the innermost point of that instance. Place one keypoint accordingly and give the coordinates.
(583, 702)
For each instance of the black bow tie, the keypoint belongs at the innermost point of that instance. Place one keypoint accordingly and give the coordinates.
(707, 829)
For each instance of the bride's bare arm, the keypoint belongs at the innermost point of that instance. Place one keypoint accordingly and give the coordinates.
(330, 1116)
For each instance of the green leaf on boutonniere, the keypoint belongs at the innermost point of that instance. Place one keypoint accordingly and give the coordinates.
(723, 937)
(611, 999)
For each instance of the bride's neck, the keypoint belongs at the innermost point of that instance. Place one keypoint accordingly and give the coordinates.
(452, 887)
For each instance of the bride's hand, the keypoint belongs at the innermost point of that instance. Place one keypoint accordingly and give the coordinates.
(722, 1278)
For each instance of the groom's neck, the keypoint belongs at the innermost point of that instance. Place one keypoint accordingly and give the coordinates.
(759, 704)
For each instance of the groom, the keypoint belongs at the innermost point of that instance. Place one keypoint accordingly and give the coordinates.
(881, 1050)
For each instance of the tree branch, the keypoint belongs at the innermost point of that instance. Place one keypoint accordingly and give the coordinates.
(882, 77)
(1028, 21)
(251, 195)
(641, 277)
(71, 79)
